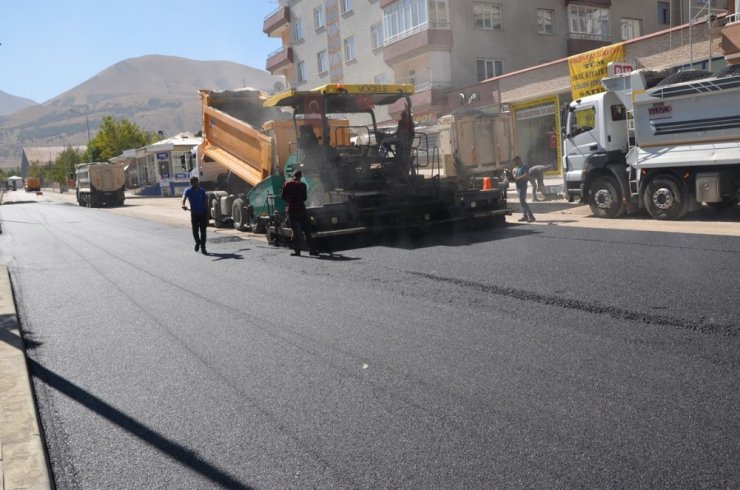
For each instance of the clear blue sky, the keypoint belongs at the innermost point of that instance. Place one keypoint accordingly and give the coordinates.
(51, 46)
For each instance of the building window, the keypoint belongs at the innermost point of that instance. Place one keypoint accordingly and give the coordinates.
(323, 61)
(487, 16)
(438, 14)
(297, 30)
(587, 22)
(489, 69)
(346, 6)
(545, 21)
(349, 48)
(631, 28)
(664, 13)
(301, 71)
(376, 33)
(318, 17)
(382, 78)
(412, 77)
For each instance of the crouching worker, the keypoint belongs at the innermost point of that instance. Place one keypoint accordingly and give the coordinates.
(295, 194)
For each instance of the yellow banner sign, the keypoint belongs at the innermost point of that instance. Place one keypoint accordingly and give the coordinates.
(587, 69)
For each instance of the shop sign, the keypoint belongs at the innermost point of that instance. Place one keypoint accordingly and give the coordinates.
(587, 69)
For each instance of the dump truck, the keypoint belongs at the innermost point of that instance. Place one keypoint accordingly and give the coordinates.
(243, 144)
(100, 184)
(473, 143)
(32, 184)
(655, 140)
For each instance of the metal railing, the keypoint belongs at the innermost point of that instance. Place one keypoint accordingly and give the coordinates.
(277, 51)
(423, 86)
(588, 36)
(274, 12)
(733, 18)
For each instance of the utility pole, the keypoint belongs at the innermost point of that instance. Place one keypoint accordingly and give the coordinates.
(87, 123)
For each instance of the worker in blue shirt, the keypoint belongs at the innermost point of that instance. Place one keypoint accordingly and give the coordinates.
(198, 200)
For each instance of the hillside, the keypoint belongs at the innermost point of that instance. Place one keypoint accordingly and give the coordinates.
(10, 103)
(159, 93)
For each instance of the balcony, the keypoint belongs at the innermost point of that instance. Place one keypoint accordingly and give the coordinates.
(423, 39)
(429, 97)
(276, 21)
(279, 59)
(730, 44)
(581, 43)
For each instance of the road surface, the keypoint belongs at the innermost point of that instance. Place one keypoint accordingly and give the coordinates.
(531, 356)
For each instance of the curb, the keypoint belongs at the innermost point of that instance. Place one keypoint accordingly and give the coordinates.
(23, 461)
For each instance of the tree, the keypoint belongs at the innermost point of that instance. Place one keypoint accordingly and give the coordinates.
(64, 165)
(44, 172)
(114, 137)
(9, 172)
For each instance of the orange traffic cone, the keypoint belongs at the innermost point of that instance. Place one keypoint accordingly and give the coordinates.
(486, 183)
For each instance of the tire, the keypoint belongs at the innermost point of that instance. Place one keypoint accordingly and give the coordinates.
(605, 198)
(239, 214)
(665, 198)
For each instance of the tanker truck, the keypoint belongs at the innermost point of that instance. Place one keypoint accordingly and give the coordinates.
(655, 140)
(371, 187)
(100, 184)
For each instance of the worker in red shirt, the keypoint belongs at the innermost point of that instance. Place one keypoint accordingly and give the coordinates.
(295, 194)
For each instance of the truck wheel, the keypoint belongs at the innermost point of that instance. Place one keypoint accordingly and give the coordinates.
(217, 216)
(605, 199)
(239, 214)
(665, 198)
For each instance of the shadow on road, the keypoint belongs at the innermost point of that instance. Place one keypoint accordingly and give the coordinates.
(227, 256)
(440, 235)
(181, 454)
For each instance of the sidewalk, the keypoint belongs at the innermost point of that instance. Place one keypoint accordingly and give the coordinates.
(23, 461)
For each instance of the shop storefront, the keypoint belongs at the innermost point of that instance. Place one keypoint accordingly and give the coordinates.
(537, 124)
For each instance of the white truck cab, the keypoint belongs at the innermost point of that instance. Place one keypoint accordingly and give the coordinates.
(597, 129)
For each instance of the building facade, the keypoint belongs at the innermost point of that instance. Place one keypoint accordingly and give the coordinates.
(162, 168)
(442, 45)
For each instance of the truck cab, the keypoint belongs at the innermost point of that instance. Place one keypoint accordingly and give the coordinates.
(596, 136)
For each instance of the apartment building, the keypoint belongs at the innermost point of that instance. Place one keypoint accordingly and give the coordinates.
(441, 45)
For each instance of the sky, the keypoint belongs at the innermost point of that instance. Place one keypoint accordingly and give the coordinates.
(50, 46)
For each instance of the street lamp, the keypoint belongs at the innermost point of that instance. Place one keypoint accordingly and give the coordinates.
(87, 123)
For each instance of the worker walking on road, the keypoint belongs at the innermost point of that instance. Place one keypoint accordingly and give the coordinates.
(537, 179)
(295, 194)
(198, 200)
(521, 177)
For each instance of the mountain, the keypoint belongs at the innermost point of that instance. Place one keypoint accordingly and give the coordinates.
(10, 103)
(158, 93)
